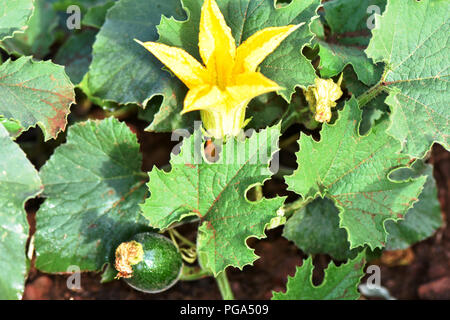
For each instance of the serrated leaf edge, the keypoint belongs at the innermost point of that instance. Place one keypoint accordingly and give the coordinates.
(41, 125)
(341, 209)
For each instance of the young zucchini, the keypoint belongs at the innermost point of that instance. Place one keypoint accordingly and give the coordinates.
(149, 262)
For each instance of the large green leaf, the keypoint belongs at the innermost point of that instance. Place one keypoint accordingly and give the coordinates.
(19, 181)
(168, 117)
(375, 110)
(348, 20)
(95, 17)
(39, 35)
(36, 93)
(84, 5)
(93, 184)
(76, 54)
(353, 171)
(216, 193)
(286, 65)
(334, 58)
(14, 15)
(417, 56)
(265, 110)
(124, 72)
(423, 219)
(121, 70)
(315, 229)
(348, 23)
(340, 283)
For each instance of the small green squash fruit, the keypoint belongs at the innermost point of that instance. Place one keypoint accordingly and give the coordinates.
(149, 262)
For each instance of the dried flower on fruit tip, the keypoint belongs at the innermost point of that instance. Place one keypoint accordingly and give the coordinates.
(127, 255)
(322, 96)
(228, 79)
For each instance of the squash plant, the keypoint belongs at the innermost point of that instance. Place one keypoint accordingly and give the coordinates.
(373, 86)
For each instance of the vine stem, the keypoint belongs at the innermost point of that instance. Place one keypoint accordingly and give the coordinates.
(193, 273)
(123, 112)
(290, 208)
(286, 142)
(370, 94)
(182, 238)
(142, 175)
(224, 286)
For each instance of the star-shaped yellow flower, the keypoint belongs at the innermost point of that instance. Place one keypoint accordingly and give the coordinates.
(228, 80)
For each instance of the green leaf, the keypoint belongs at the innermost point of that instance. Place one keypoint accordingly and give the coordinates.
(13, 127)
(298, 111)
(340, 283)
(423, 219)
(354, 171)
(14, 16)
(375, 110)
(36, 93)
(216, 193)
(168, 117)
(95, 17)
(93, 185)
(265, 110)
(39, 36)
(317, 29)
(84, 5)
(417, 58)
(348, 20)
(334, 58)
(121, 70)
(76, 54)
(286, 65)
(19, 181)
(315, 229)
(124, 72)
(109, 274)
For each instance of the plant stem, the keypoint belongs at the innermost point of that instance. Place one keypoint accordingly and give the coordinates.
(122, 112)
(292, 207)
(370, 94)
(143, 175)
(193, 273)
(286, 142)
(182, 238)
(258, 192)
(290, 117)
(224, 286)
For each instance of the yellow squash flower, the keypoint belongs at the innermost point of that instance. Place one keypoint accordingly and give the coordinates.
(322, 97)
(228, 79)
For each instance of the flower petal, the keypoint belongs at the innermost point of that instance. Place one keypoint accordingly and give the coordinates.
(181, 63)
(248, 86)
(327, 90)
(257, 47)
(216, 44)
(204, 97)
